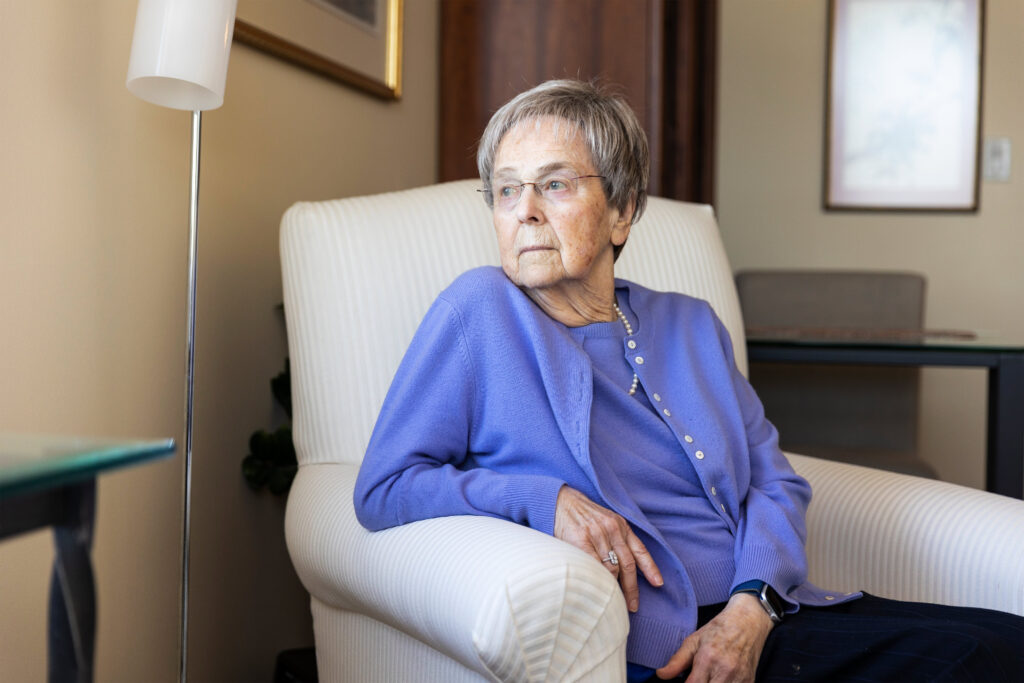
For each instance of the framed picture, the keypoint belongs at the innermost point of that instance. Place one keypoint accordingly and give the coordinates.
(904, 105)
(355, 42)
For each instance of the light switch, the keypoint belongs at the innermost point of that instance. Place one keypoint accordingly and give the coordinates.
(996, 159)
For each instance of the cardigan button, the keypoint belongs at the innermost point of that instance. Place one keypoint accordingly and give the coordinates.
(639, 360)
(699, 455)
(688, 439)
(631, 344)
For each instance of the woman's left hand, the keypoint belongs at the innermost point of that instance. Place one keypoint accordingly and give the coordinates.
(727, 648)
(597, 530)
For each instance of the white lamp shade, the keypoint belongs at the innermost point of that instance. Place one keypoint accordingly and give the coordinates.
(180, 52)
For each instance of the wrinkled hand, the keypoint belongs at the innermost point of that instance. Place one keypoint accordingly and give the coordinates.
(596, 530)
(727, 648)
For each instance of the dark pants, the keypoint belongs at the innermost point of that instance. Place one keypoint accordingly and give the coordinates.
(874, 639)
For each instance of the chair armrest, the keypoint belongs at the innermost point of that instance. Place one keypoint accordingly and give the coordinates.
(504, 600)
(914, 539)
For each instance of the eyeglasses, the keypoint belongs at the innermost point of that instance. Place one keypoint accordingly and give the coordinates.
(552, 188)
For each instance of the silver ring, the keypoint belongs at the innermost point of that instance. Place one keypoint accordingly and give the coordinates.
(612, 558)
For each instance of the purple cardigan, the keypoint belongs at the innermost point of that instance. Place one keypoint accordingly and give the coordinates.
(489, 414)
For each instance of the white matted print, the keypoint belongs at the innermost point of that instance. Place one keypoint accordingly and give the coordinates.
(904, 104)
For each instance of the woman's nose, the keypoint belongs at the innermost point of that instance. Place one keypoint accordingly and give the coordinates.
(529, 209)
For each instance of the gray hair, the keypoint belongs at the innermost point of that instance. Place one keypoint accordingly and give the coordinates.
(607, 124)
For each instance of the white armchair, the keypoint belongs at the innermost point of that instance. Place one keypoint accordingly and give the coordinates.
(474, 598)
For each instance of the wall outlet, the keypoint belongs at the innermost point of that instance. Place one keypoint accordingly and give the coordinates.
(996, 159)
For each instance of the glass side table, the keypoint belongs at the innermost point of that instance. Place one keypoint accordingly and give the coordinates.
(1004, 359)
(51, 481)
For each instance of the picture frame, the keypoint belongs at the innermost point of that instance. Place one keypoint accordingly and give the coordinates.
(354, 42)
(903, 111)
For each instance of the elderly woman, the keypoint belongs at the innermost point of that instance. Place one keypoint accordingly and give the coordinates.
(551, 394)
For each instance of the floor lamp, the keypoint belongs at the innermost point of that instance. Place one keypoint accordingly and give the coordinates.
(179, 59)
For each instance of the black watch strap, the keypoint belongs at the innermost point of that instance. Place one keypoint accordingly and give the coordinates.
(770, 600)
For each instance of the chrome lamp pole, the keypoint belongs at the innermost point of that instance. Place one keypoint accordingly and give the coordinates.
(179, 59)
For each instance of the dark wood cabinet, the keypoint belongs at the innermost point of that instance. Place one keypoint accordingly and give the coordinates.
(660, 53)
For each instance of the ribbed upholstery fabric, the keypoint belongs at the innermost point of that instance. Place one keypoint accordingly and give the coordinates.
(358, 276)
(910, 538)
(676, 247)
(364, 649)
(474, 598)
(501, 599)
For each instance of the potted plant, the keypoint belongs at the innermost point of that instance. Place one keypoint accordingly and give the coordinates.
(271, 461)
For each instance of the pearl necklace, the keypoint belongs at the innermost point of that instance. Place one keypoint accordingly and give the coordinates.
(629, 333)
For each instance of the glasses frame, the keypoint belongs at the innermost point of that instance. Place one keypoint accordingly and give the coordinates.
(489, 194)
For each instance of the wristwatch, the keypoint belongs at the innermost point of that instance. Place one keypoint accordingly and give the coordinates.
(770, 600)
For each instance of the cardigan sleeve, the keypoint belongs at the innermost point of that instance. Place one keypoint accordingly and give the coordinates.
(416, 465)
(771, 530)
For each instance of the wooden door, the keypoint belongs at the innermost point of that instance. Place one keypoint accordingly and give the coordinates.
(659, 53)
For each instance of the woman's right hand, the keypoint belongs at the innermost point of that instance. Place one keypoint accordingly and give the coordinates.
(596, 530)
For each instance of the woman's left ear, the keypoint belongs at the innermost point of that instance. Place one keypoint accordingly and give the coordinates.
(623, 224)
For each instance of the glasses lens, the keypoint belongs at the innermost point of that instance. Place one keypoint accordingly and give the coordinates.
(508, 194)
(558, 188)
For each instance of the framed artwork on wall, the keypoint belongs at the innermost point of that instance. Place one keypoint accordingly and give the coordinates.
(355, 42)
(903, 113)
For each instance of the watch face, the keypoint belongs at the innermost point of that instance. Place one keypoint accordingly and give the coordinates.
(772, 603)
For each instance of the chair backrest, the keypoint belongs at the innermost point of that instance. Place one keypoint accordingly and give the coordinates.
(864, 300)
(360, 273)
(865, 415)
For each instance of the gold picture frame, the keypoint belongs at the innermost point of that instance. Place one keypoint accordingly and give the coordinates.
(903, 110)
(354, 42)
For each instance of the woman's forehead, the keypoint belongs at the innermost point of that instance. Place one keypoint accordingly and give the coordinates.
(541, 143)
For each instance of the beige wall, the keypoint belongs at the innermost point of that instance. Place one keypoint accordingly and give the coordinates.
(770, 137)
(93, 242)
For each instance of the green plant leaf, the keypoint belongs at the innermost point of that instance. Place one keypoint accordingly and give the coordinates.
(257, 471)
(261, 443)
(272, 461)
(283, 452)
(281, 388)
(281, 480)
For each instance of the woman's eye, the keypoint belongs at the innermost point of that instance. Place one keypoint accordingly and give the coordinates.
(557, 185)
(508, 190)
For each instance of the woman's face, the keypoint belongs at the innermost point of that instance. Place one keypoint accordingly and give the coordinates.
(547, 242)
